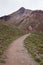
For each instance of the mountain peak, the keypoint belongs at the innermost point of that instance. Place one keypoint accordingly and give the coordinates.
(21, 10)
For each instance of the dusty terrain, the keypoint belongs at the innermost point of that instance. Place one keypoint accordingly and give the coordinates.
(18, 55)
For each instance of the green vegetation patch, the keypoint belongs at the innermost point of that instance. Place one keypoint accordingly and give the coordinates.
(34, 45)
(7, 35)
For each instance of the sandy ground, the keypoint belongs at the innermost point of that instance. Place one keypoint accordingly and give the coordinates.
(17, 54)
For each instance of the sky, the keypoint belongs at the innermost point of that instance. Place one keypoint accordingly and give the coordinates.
(10, 6)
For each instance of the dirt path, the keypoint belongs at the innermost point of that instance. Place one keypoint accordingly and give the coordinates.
(18, 55)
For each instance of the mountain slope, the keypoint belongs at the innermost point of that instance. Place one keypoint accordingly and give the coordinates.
(34, 45)
(7, 35)
(25, 19)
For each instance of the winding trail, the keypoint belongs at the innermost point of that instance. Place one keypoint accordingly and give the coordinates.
(18, 55)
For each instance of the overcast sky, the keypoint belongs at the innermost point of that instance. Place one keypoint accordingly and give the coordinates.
(9, 6)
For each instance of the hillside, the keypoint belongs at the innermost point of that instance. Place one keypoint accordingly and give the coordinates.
(25, 19)
(18, 23)
(7, 35)
(34, 45)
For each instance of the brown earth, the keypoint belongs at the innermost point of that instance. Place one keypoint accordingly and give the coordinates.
(17, 54)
